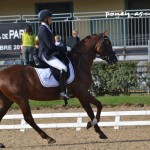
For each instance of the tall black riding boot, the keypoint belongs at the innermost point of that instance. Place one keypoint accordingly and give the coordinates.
(63, 90)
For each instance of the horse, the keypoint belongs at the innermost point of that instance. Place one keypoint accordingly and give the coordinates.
(19, 83)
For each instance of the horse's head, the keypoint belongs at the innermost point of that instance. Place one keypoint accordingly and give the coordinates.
(104, 49)
(97, 44)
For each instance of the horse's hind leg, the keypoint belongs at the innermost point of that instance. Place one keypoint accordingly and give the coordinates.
(5, 104)
(26, 110)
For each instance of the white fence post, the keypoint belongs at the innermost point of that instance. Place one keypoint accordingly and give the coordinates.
(79, 121)
(117, 120)
(23, 122)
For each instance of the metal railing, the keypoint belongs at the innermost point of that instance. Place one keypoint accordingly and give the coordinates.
(128, 30)
(13, 18)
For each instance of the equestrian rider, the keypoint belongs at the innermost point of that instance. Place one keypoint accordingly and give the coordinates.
(48, 49)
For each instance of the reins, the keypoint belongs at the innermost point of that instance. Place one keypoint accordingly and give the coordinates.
(93, 55)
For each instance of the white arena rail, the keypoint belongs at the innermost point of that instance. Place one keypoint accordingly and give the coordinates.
(79, 124)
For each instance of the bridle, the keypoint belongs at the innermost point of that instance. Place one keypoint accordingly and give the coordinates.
(107, 55)
(95, 55)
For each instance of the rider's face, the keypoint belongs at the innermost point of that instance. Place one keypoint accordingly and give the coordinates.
(49, 20)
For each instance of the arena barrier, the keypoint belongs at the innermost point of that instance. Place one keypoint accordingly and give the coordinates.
(118, 121)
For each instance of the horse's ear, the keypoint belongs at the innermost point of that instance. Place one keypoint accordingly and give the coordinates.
(106, 33)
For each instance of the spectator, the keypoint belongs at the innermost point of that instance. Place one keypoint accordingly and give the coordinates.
(73, 40)
(58, 41)
(28, 44)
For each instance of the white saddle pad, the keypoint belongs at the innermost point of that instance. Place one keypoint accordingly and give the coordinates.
(48, 80)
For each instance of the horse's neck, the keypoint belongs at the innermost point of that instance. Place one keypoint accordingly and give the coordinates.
(86, 62)
(83, 61)
(83, 55)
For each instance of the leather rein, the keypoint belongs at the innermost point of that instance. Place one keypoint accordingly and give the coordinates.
(93, 55)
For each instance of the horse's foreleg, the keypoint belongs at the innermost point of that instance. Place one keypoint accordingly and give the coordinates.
(89, 111)
(86, 98)
(5, 104)
(25, 108)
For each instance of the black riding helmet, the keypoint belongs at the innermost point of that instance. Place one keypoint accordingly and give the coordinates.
(43, 14)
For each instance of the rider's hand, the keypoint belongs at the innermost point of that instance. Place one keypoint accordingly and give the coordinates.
(68, 48)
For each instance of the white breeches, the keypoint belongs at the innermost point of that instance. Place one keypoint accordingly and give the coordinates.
(55, 62)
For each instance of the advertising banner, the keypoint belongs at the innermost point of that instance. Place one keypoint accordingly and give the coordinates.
(10, 35)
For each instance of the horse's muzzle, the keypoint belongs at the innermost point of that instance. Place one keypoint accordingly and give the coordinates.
(112, 60)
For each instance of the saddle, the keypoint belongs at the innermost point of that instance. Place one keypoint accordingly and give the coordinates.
(41, 64)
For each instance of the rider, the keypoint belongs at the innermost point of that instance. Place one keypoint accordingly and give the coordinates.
(48, 49)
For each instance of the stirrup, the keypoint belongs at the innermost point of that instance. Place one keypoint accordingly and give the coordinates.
(64, 96)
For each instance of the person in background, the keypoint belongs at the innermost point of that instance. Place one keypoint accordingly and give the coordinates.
(73, 40)
(58, 41)
(28, 45)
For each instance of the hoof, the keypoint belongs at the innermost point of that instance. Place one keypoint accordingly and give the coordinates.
(51, 141)
(2, 146)
(89, 125)
(103, 136)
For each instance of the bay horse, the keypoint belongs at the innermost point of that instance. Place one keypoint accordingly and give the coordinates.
(20, 83)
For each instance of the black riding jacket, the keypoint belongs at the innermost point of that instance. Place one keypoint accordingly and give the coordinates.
(46, 43)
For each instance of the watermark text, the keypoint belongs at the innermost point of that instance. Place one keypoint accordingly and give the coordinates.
(127, 14)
